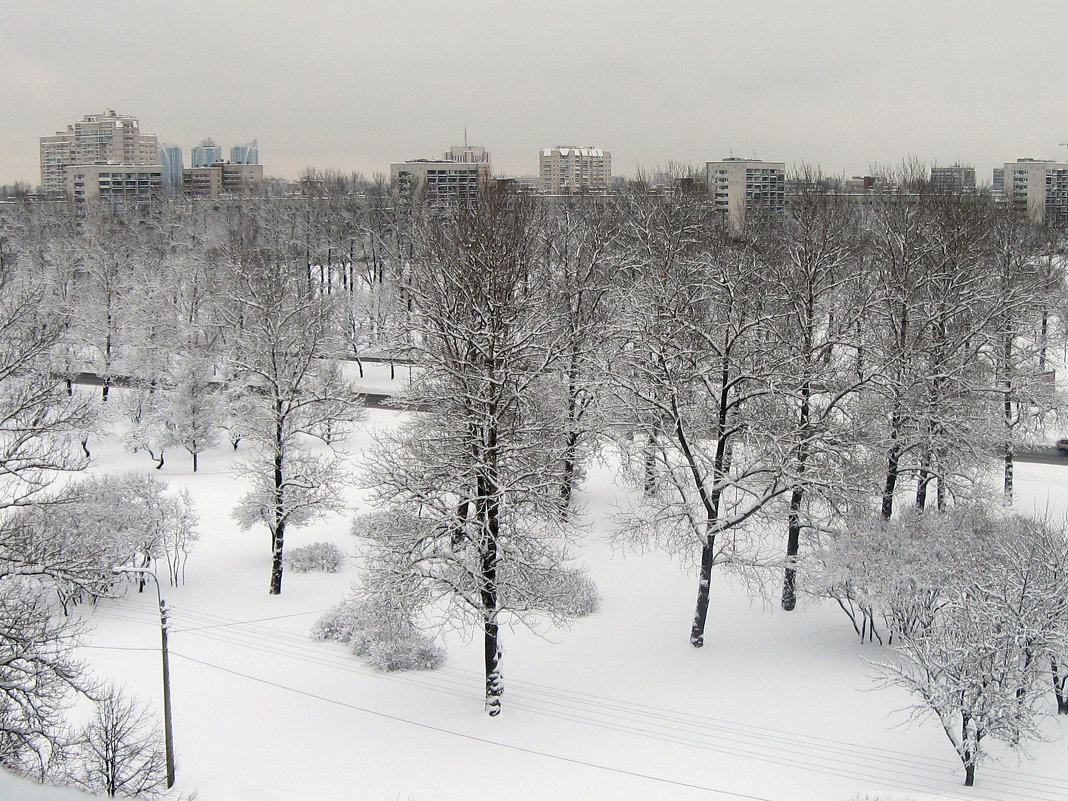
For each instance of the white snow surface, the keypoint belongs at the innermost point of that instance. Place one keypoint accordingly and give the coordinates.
(14, 788)
(776, 707)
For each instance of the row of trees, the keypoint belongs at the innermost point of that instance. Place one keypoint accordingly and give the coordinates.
(797, 374)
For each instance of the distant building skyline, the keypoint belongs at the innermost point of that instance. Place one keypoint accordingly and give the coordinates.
(849, 86)
(172, 161)
(958, 178)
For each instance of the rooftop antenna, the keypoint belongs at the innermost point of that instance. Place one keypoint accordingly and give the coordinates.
(465, 136)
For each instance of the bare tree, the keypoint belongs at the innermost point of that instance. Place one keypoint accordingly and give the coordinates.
(814, 260)
(582, 252)
(697, 367)
(470, 488)
(279, 349)
(39, 674)
(120, 752)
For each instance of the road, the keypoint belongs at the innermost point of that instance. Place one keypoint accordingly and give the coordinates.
(1043, 456)
(375, 400)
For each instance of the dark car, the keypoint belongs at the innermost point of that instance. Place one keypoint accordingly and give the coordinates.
(1062, 445)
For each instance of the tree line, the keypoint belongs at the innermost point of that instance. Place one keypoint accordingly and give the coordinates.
(796, 395)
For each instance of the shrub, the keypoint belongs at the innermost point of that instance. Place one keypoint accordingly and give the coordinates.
(381, 633)
(325, 556)
(582, 596)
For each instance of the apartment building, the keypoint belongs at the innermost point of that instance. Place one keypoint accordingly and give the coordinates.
(170, 158)
(206, 153)
(468, 154)
(107, 138)
(245, 154)
(566, 169)
(1039, 187)
(953, 180)
(223, 178)
(118, 183)
(739, 185)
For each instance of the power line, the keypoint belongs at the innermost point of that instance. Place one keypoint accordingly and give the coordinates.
(770, 745)
(482, 740)
(766, 738)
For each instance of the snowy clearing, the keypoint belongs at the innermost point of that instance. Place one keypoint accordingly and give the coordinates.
(776, 707)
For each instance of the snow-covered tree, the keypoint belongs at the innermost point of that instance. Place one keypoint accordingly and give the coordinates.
(39, 675)
(120, 752)
(469, 490)
(978, 660)
(581, 242)
(282, 338)
(813, 258)
(193, 408)
(697, 370)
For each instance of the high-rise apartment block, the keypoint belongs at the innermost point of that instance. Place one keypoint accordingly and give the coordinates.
(458, 176)
(207, 153)
(170, 158)
(563, 170)
(955, 179)
(740, 185)
(245, 154)
(439, 181)
(1039, 187)
(107, 138)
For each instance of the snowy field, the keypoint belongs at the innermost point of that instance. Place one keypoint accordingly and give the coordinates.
(775, 707)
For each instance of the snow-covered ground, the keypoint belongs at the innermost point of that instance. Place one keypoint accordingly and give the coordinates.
(777, 706)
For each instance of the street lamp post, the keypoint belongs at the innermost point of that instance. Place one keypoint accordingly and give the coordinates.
(168, 732)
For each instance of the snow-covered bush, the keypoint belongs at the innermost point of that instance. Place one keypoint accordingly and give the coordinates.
(381, 633)
(581, 594)
(325, 556)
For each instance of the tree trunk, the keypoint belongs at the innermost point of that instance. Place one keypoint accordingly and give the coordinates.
(159, 461)
(567, 484)
(704, 584)
(489, 503)
(650, 464)
(793, 544)
(967, 755)
(923, 478)
(1007, 410)
(793, 526)
(710, 500)
(567, 487)
(1008, 472)
(195, 461)
(893, 457)
(85, 448)
(1059, 682)
(279, 529)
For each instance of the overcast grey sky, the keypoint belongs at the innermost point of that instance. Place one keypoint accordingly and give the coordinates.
(356, 85)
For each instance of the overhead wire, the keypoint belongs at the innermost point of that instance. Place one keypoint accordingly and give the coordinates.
(642, 720)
